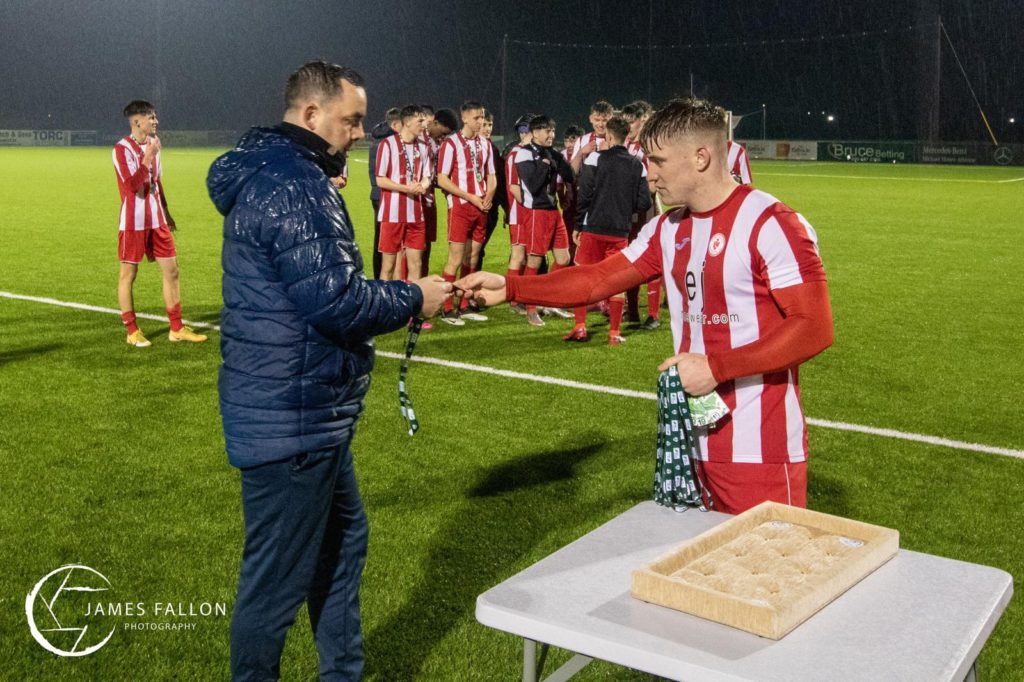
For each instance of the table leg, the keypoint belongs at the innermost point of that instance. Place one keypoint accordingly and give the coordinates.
(972, 674)
(529, 660)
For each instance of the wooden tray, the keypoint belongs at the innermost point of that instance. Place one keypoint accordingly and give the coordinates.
(768, 569)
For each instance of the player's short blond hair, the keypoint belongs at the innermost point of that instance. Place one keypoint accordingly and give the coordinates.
(684, 116)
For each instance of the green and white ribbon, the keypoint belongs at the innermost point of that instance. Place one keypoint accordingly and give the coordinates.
(676, 484)
(404, 404)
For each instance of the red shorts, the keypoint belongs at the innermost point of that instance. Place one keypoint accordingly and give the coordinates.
(133, 245)
(517, 231)
(737, 487)
(594, 248)
(544, 231)
(430, 221)
(396, 236)
(465, 222)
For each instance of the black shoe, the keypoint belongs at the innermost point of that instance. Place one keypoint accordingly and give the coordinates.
(651, 323)
(631, 316)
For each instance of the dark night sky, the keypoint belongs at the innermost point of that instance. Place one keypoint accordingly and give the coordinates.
(222, 64)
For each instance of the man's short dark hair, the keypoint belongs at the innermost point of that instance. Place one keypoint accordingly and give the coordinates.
(470, 105)
(138, 106)
(643, 107)
(573, 131)
(632, 111)
(392, 115)
(682, 117)
(619, 127)
(427, 109)
(488, 116)
(602, 107)
(447, 118)
(318, 79)
(522, 124)
(541, 122)
(410, 111)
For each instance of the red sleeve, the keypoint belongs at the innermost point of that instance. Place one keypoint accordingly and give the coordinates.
(580, 285)
(133, 181)
(806, 331)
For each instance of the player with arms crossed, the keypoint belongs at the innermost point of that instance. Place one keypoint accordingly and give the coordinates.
(145, 223)
(747, 295)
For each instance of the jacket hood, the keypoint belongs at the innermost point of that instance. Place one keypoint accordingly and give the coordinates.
(231, 171)
(382, 130)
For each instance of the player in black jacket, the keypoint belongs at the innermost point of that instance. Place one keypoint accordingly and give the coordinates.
(612, 190)
(539, 166)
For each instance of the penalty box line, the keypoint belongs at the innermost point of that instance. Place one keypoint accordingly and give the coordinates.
(568, 383)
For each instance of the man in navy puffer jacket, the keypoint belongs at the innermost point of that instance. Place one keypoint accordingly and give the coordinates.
(297, 343)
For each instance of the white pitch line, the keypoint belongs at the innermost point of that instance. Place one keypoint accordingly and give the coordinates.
(882, 177)
(1000, 182)
(567, 383)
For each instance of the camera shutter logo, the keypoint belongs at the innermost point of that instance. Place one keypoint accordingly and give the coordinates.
(1003, 156)
(836, 150)
(72, 578)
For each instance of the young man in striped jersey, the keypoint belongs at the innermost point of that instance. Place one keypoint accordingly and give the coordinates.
(438, 126)
(404, 175)
(612, 191)
(747, 295)
(637, 114)
(566, 192)
(593, 141)
(145, 223)
(465, 172)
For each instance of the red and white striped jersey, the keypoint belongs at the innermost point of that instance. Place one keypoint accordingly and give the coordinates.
(404, 163)
(720, 268)
(738, 163)
(141, 208)
(428, 198)
(512, 180)
(634, 149)
(583, 140)
(468, 163)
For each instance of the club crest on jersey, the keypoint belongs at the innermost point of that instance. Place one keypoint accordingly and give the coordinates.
(716, 245)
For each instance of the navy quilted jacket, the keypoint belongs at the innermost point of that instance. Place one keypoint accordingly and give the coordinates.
(299, 316)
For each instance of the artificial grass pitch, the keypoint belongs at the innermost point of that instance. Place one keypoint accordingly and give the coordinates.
(113, 457)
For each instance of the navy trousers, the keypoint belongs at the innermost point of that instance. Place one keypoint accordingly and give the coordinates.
(305, 541)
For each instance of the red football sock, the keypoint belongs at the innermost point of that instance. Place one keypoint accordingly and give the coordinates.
(174, 315)
(653, 297)
(129, 321)
(581, 315)
(530, 272)
(509, 272)
(615, 317)
(448, 301)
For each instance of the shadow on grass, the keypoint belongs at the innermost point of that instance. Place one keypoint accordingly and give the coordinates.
(827, 494)
(28, 352)
(483, 542)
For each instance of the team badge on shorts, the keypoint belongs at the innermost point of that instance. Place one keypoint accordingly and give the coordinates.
(716, 245)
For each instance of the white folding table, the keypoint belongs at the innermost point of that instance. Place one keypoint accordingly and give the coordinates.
(918, 617)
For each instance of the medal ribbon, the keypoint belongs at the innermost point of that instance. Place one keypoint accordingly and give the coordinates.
(676, 484)
(404, 404)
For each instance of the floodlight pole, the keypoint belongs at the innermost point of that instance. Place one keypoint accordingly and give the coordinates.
(502, 110)
(764, 116)
(650, 45)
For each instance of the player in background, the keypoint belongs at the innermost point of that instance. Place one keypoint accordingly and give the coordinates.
(739, 164)
(566, 192)
(517, 213)
(612, 190)
(637, 114)
(439, 125)
(403, 173)
(145, 223)
(747, 294)
(465, 172)
(383, 130)
(500, 194)
(538, 165)
(600, 112)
